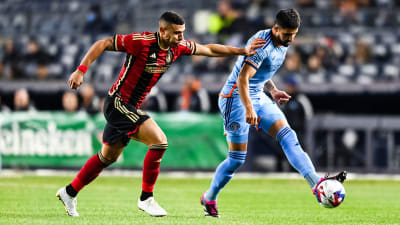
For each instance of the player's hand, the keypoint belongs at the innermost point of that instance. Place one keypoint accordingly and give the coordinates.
(256, 43)
(76, 79)
(251, 117)
(280, 97)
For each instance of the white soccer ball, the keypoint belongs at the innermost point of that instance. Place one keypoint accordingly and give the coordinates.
(330, 193)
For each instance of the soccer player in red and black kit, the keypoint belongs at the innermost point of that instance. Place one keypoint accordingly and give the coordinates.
(149, 55)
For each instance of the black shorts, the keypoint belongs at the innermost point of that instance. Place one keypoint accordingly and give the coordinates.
(123, 120)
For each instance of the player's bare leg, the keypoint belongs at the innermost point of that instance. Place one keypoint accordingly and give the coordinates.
(275, 127)
(89, 172)
(151, 134)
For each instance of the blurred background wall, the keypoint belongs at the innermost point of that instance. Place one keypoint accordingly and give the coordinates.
(342, 71)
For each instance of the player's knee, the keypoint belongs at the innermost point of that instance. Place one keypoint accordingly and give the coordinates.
(161, 139)
(106, 161)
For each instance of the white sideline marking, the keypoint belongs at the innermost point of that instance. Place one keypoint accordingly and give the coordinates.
(184, 174)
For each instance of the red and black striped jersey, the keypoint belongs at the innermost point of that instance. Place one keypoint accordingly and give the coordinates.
(145, 63)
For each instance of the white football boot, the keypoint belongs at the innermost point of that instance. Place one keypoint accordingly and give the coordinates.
(151, 207)
(68, 201)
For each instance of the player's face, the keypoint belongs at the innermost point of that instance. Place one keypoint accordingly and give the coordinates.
(285, 36)
(173, 34)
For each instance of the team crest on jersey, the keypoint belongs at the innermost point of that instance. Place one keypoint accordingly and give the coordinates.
(168, 58)
(234, 126)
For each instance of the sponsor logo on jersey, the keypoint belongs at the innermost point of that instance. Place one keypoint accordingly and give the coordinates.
(155, 68)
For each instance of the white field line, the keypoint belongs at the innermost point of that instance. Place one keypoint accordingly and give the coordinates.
(185, 174)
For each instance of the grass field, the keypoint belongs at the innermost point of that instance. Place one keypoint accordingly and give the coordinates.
(112, 200)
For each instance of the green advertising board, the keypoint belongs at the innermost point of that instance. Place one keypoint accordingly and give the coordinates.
(62, 140)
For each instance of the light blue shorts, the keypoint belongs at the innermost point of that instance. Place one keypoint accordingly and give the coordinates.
(234, 115)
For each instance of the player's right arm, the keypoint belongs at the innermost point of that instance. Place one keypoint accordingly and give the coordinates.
(217, 50)
(245, 74)
(107, 44)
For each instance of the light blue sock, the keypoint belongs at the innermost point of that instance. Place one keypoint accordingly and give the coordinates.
(312, 179)
(296, 156)
(224, 173)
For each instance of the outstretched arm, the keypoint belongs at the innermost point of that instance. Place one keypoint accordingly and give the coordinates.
(216, 50)
(278, 95)
(245, 74)
(76, 78)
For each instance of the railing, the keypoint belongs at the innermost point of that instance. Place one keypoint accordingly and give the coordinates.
(324, 147)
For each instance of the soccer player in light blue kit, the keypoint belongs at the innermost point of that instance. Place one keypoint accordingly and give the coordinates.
(243, 103)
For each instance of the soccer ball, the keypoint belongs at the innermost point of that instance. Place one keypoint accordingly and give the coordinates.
(330, 193)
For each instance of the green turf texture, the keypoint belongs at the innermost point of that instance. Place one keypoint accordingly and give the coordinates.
(113, 200)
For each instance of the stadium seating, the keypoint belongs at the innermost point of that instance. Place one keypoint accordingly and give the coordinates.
(59, 27)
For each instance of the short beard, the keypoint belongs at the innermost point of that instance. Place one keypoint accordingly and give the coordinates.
(283, 43)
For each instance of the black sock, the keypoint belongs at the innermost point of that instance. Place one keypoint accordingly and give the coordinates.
(145, 195)
(71, 191)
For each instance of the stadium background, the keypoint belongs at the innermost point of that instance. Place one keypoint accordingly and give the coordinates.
(343, 63)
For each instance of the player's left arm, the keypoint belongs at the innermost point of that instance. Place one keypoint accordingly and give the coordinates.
(278, 95)
(216, 50)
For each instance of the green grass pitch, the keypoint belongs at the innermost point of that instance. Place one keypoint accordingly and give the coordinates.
(113, 200)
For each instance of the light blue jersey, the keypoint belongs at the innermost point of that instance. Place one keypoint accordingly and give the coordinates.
(267, 61)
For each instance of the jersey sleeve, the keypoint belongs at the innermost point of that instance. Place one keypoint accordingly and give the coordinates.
(256, 60)
(130, 43)
(187, 48)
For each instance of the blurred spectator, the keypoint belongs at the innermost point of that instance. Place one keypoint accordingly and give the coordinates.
(22, 101)
(314, 64)
(90, 102)
(348, 9)
(299, 109)
(328, 60)
(232, 28)
(362, 54)
(235, 27)
(10, 63)
(292, 65)
(240, 24)
(156, 101)
(3, 108)
(305, 3)
(96, 23)
(70, 102)
(193, 97)
(37, 61)
(223, 18)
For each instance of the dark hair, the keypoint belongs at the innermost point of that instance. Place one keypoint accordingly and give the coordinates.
(288, 18)
(172, 17)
